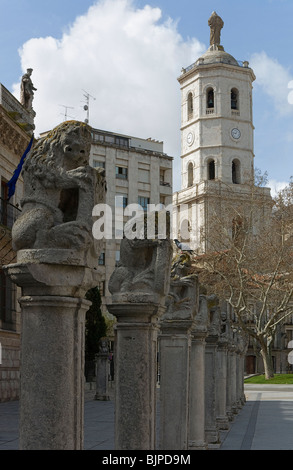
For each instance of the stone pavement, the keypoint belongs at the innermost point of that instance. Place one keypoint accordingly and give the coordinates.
(264, 423)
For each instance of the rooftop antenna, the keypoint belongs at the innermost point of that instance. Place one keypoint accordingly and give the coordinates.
(87, 105)
(65, 111)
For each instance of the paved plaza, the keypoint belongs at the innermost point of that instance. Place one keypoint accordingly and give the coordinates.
(264, 423)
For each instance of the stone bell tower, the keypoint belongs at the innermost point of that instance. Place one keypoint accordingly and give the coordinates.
(216, 133)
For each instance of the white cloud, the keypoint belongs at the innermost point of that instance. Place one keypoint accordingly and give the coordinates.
(274, 79)
(276, 186)
(128, 59)
(290, 95)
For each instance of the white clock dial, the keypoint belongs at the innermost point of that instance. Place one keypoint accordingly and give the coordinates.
(236, 134)
(190, 138)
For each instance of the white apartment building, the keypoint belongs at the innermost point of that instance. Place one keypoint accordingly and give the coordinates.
(137, 172)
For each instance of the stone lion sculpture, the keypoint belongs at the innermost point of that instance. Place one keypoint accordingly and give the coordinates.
(60, 191)
(143, 273)
(181, 302)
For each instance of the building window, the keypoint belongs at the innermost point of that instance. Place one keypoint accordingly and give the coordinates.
(101, 260)
(143, 176)
(190, 106)
(121, 172)
(143, 202)
(211, 170)
(8, 212)
(210, 99)
(4, 203)
(163, 173)
(236, 172)
(234, 99)
(97, 164)
(7, 301)
(121, 201)
(190, 174)
(117, 257)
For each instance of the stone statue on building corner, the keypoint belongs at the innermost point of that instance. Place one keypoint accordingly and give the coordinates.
(27, 90)
(216, 24)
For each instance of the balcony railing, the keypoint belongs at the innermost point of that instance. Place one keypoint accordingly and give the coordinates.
(165, 183)
(8, 213)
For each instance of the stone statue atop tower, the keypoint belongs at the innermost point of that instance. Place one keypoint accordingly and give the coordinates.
(216, 24)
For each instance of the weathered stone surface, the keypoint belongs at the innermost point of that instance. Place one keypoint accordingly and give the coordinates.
(102, 392)
(56, 256)
(139, 286)
(143, 272)
(175, 344)
(52, 379)
(216, 24)
(181, 302)
(197, 377)
(60, 191)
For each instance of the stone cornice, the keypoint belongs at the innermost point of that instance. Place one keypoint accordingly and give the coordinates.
(203, 67)
(11, 135)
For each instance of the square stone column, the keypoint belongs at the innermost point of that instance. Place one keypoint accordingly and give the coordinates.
(211, 426)
(52, 355)
(196, 436)
(139, 286)
(197, 392)
(174, 345)
(211, 350)
(56, 264)
(52, 372)
(102, 392)
(221, 380)
(135, 375)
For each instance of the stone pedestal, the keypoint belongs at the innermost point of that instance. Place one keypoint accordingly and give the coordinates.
(102, 392)
(229, 382)
(221, 391)
(56, 265)
(52, 378)
(174, 344)
(135, 375)
(53, 312)
(197, 391)
(211, 428)
(234, 406)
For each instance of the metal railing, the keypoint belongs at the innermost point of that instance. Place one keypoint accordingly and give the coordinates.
(8, 213)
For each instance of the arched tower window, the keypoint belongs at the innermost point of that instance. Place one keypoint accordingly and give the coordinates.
(236, 172)
(211, 170)
(210, 98)
(190, 175)
(234, 99)
(190, 106)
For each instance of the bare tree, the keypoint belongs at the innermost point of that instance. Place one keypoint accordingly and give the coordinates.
(249, 264)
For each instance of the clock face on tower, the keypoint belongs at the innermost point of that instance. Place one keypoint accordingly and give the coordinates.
(235, 133)
(190, 138)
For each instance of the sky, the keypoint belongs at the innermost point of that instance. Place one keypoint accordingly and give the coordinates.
(126, 56)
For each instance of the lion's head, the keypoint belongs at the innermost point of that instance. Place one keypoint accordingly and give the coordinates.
(67, 146)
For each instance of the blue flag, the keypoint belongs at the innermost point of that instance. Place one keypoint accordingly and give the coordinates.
(11, 184)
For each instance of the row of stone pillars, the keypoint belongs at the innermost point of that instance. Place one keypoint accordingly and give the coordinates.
(201, 364)
(201, 377)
